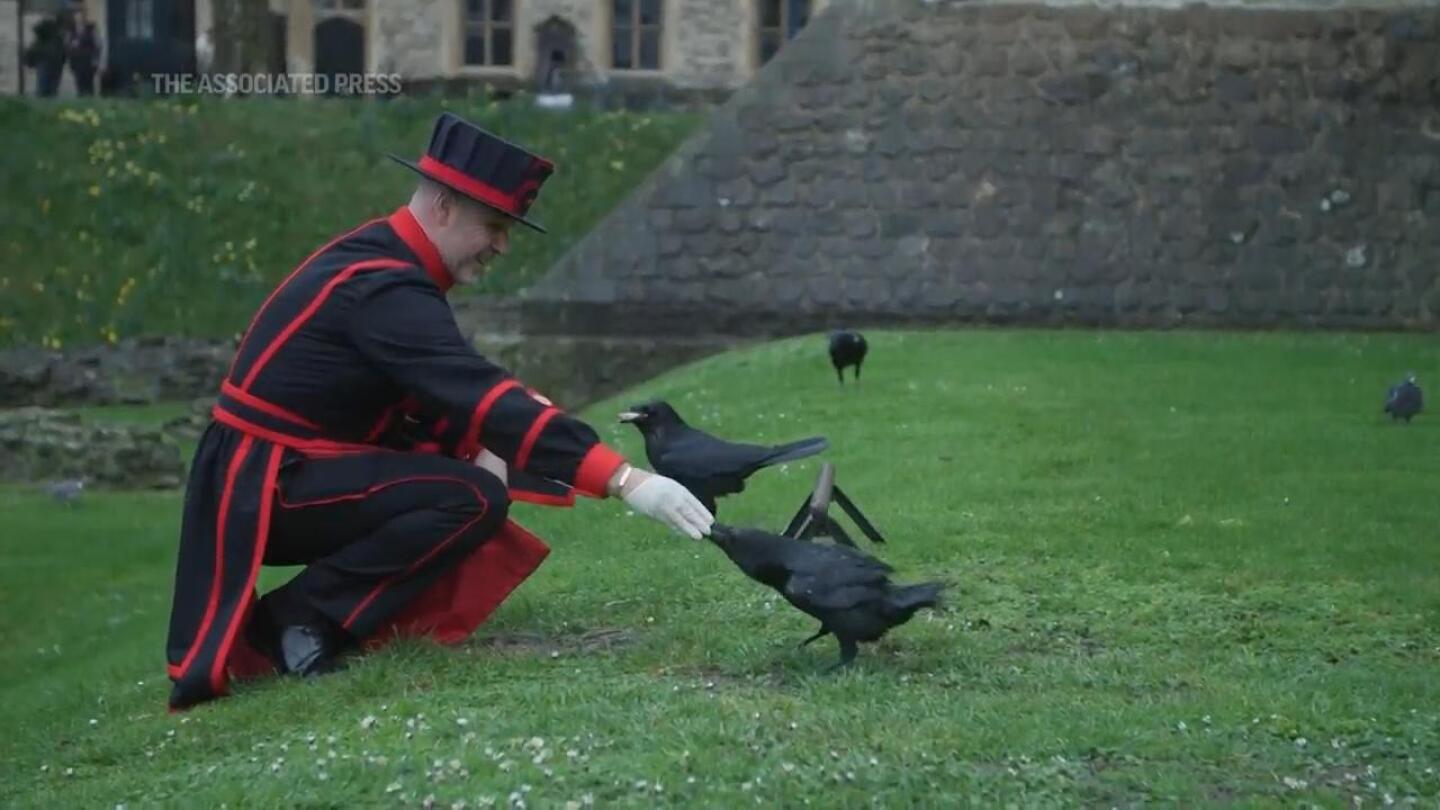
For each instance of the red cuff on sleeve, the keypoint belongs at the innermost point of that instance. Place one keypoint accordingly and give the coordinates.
(596, 470)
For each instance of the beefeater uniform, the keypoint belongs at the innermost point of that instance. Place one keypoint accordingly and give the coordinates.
(344, 437)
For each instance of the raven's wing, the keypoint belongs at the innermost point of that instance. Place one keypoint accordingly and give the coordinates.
(807, 592)
(816, 559)
(693, 454)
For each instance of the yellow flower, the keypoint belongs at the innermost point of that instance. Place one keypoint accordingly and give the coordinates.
(44, 205)
(250, 243)
(95, 190)
(38, 286)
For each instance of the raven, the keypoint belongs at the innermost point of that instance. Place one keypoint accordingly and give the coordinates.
(847, 348)
(847, 590)
(707, 466)
(1405, 399)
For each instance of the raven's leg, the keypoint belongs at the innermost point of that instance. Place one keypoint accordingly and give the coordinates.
(848, 650)
(840, 372)
(857, 372)
(821, 633)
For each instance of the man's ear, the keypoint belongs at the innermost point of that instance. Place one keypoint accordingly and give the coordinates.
(443, 205)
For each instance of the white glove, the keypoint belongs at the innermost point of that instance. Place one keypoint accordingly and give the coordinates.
(493, 464)
(665, 500)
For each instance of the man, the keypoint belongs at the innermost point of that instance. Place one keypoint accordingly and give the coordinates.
(359, 434)
(82, 50)
(46, 54)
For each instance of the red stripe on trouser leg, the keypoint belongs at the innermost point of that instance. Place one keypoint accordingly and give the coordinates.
(215, 584)
(217, 669)
(420, 563)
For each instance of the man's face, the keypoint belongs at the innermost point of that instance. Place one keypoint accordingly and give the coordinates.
(470, 235)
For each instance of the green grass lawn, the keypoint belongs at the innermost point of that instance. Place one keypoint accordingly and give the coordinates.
(1190, 569)
(144, 217)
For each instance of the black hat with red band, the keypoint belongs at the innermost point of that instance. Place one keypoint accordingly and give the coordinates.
(487, 169)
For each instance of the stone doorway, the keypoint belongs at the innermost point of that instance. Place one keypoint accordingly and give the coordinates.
(556, 56)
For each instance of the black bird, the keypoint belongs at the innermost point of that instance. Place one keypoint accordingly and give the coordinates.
(1405, 399)
(847, 348)
(847, 590)
(707, 466)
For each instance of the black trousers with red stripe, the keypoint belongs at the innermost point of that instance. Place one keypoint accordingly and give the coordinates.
(375, 530)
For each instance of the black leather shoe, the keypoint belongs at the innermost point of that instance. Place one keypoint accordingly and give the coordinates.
(309, 650)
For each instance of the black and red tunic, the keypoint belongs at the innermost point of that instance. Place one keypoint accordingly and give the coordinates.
(356, 347)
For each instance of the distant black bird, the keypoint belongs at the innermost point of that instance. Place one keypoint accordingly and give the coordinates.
(847, 348)
(1405, 399)
(707, 466)
(847, 590)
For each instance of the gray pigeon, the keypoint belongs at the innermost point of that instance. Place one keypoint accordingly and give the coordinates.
(849, 591)
(1405, 399)
(67, 491)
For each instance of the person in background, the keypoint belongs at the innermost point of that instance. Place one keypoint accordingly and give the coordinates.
(46, 54)
(82, 50)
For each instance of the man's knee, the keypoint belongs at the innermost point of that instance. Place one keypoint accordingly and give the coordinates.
(485, 506)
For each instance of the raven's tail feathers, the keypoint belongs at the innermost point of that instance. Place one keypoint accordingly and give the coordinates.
(797, 450)
(906, 599)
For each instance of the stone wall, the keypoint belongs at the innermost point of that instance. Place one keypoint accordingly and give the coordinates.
(407, 36)
(911, 162)
(10, 37)
(711, 51)
(131, 372)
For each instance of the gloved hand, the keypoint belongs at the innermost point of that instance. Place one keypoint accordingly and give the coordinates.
(665, 500)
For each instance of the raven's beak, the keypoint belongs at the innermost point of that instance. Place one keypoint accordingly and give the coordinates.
(631, 416)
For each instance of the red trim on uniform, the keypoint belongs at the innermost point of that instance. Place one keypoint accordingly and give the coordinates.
(412, 233)
(523, 456)
(262, 533)
(224, 513)
(484, 192)
(264, 407)
(374, 488)
(311, 309)
(596, 469)
(439, 547)
(380, 424)
(541, 498)
(239, 350)
(482, 409)
(315, 446)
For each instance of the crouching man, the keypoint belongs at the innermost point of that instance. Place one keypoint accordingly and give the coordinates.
(359, 434)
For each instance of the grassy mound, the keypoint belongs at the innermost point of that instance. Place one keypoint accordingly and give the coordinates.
(173, 217)
(1188, 569)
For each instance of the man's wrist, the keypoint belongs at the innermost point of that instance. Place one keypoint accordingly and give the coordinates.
(619, 479)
